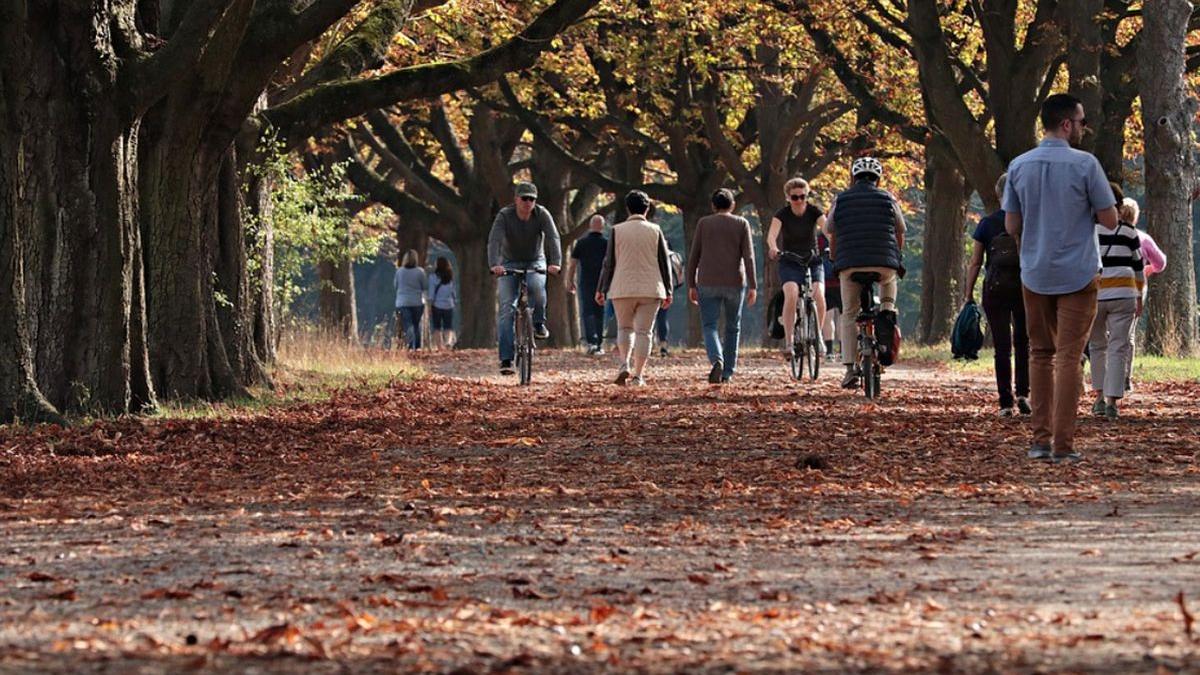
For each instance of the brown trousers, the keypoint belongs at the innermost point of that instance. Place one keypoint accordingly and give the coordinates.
(1059, 326)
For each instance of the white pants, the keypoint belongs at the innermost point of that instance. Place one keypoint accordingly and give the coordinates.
(635, 321)
(1110, 348)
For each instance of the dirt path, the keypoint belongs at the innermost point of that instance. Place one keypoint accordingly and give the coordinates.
(461, 522)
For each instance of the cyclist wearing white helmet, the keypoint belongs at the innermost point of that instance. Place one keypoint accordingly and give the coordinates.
(866, 234)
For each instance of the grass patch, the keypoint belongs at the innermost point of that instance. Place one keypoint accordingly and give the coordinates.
(311, 368)
(1146, 368)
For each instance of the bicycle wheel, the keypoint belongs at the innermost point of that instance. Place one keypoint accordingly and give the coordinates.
(797, 352)
(812, 337)
(866, 367)
(525, 348)
(878, 377)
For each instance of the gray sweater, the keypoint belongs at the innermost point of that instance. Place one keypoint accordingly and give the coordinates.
(524, 243)
(411, 283)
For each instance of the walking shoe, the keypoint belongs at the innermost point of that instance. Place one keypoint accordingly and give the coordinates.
(599, 350)
(1023, 405)
(714, 375)
(541, 332)
(725, 378)
(1068, 458)
(1098, 407)
(1039, 451)
(829, 356)
(506, 367)
(664, 352)
(622, 377)
(1006, 412)
(639, 381)
(591, 350)
(1110, 412)
(850, 381)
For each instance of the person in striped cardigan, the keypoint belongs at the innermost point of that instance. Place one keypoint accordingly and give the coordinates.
(1119, 303)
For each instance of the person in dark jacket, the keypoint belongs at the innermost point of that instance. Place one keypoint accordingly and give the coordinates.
(1003, 304)
(588, 257)
(866, 234)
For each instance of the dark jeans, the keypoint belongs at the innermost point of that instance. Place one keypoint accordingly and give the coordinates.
(662, 326)
(1006, 315)
(410, 320)
(591, 315)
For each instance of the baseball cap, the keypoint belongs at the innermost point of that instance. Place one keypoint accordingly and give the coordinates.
(526, 189)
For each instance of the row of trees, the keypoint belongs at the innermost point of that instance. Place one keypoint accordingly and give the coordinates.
(129, 130)
(136, 232)
(680, 98)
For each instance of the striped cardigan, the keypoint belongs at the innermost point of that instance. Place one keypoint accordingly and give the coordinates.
(1122, 273)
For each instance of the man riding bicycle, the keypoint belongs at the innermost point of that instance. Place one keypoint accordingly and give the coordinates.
(798, 222)
(523, 238)
(866, 234)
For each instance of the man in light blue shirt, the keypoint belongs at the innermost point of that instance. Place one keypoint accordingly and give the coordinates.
(1054, 197)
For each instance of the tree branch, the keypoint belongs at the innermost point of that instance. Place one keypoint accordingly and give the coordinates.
(340, 100)
(146, 80)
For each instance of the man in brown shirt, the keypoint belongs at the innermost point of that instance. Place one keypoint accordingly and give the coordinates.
(720, 270)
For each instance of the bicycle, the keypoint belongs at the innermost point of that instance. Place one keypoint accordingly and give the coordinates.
(806, 333)
(523, 327)
(869, 367)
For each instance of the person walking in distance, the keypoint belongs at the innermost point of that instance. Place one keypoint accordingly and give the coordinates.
(720, 274)
(411, 284)
(1155, 262)
(662, 325)
(589, 251)
(833, 300)
(1054, 197)
(794, 230)
(441, 299)
(1003, 304)
(1118, 306)
(636, 276)
(866, 234)
(523, 238)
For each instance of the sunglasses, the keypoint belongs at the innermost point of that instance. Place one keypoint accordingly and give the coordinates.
(797, 198)
(1081, 122)
(526, 198)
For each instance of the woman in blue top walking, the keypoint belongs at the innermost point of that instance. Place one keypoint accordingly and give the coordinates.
(441, 299)
(411, 285)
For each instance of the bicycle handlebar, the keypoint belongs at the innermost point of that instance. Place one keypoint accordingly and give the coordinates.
(521, 273)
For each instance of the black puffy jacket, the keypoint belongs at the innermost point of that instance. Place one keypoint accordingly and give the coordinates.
(864, 228)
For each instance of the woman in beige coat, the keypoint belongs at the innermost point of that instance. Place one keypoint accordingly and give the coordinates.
(637, 278)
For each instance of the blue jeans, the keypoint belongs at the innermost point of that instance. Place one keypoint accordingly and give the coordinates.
(712, 299)
(410, 320)
(536, 283)
(592, 316)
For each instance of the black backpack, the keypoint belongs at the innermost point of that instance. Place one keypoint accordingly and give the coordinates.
(1003, 265)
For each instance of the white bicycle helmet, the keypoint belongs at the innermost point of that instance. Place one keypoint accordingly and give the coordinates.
(866, 165)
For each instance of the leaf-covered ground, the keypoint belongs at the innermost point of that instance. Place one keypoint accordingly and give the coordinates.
(460, 523)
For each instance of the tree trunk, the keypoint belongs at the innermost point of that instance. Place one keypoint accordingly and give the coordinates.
(260, 241)
(946, 194)
(69, 209)
(180, 219)
(1083, 60)
(20, 398)
(691, 215)
(770, 285)
(1167, 117)
(477, 290)
(337, 311)
(235, 298)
